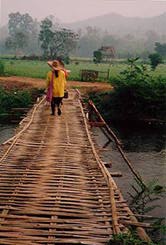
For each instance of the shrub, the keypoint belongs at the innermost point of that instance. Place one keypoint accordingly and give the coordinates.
(97, 56)
(136, 95)
(13, 99)
(127, 239)
(2, 68)
(155, 60)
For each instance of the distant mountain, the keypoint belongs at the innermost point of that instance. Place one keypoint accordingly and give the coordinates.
(121, 25)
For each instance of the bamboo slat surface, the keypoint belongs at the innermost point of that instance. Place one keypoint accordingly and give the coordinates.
(53, 187)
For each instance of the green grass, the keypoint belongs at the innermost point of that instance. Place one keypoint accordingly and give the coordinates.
(35, 69)
(38, 69)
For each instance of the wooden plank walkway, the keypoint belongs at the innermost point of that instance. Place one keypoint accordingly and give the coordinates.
(53, 187)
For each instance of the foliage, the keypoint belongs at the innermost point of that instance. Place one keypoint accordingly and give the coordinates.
(97, 56)
(18, 41)
(46, 36)
(127, 239)
(22, 33)
(142, 199)
(136, 95)
(89, 40)
(160, 49)
(2, 68)
(56, 41)
(13, 99)
(158, 231)
(20, 22)
(155, 60)
(126, 46)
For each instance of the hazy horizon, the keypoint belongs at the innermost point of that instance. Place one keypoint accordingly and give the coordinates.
(78, 10)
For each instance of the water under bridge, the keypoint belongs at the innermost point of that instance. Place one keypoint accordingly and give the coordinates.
(54, 188)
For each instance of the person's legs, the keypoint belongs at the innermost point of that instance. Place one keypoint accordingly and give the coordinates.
(53, 106)
(59, 111)
(58, 101)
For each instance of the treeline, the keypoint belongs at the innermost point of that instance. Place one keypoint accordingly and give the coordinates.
(125, 47)
(28, 37)
(25, 36)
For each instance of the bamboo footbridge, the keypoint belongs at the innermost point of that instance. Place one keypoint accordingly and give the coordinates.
(54, 189)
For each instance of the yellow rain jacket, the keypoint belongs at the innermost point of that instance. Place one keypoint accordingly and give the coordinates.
(59, 83)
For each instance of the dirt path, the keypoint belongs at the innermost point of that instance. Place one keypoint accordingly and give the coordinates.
(26, 82)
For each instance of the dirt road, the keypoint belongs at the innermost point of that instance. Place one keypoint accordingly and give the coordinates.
(26, 82)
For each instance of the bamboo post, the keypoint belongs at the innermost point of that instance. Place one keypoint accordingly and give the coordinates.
(118, 144)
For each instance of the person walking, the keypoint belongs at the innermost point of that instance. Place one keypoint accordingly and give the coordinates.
(56, 85)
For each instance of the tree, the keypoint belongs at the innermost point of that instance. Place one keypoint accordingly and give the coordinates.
(97, 56)
(20, 23)
(46, 36)
(22, 32)
(151, 38)
(155, 60)
(56, 41)
(18, 41)
(160, 49)
(67, 42)
(89, 41)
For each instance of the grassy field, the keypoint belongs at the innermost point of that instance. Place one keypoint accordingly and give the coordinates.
(35, 69)
(38, 69)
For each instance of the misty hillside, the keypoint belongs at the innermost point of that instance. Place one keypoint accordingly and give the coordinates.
(121, 25)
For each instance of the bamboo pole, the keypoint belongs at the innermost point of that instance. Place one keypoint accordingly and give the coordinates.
(115, 224)
(118, 144)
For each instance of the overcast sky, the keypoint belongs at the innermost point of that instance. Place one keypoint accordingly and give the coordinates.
(74, 10)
